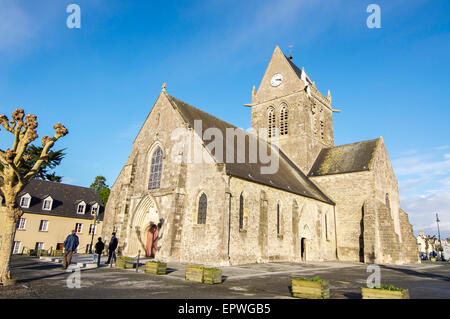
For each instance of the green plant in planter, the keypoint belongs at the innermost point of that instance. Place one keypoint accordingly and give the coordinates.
(310, 288)
(156, 267)
(384, 292)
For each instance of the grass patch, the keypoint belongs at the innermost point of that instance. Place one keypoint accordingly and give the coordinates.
(390, 287)
(318, 279)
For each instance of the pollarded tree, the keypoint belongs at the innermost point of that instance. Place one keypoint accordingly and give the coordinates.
(13, 178)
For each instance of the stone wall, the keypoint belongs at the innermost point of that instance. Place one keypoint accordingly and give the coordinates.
(381, 243)
(370, 225)
(410, 250)
(349, 192)
(300, 217)
(386, 186)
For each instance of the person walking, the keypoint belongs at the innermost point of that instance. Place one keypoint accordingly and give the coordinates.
(99, 246)
(70, 245)
(112, 247)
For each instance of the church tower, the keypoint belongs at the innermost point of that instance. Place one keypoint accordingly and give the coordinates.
(296, 115)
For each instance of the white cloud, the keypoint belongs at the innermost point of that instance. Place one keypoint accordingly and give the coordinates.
(421, 165)
(422, 211)
(413, 183)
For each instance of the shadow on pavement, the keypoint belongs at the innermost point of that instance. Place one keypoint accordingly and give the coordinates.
(417, 274)
(170, 270)
(41, 267)
(352, 295)
(48, 267)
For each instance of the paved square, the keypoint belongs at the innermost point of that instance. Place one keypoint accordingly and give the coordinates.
(47, 280)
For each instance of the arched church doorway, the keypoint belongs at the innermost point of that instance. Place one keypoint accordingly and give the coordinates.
(152, 241)
(303, 248)
(145, 229)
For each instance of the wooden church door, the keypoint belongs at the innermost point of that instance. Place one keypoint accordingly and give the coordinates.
(152, 241)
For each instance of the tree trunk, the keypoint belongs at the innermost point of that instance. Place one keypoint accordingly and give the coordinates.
(9, 218)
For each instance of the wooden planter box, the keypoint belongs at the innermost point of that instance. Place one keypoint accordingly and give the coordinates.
(42, 252)
(155, 268)
(310, 289)
(57, 253)
(374, 293)
(194, 273)
(212, 276)
(124, 263)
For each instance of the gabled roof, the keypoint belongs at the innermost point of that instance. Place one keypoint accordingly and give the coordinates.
(297, 70)
(288, 177)
(65, 199)
(343, 159)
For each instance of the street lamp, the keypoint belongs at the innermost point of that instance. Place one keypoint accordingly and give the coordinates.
(439, 235)
(96, 221)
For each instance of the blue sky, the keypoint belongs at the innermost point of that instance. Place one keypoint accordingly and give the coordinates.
(102, 80)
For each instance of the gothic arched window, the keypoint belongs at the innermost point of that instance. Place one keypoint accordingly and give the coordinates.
(202, 209)
(388, 203)
(155, 169)
(271, 122)
(241, 212)
(278, 219)
(284, 120)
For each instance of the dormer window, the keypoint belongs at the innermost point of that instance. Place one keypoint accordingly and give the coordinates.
(25, 201)
(47, 204)
(81, 208)
(94, 209)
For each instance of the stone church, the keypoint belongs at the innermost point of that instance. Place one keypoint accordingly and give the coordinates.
(323, 202)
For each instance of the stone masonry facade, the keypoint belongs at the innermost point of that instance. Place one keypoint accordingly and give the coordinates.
(344, 204)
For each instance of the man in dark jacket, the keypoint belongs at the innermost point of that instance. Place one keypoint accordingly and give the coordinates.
(99, 246)
(70, 245)
(112, 247)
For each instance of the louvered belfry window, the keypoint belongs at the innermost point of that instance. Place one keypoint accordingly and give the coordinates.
(155, 169)
(271, 122)
(284, 120)
(202, 209)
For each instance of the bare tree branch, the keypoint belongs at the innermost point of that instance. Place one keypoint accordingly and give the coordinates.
(47, 143)
(4, 121)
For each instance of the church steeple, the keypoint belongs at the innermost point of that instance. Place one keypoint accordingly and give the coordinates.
(288, 102)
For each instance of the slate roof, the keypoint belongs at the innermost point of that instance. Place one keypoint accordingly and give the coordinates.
(347, 158)
(65, 199)
(296, 69)
(288, 177)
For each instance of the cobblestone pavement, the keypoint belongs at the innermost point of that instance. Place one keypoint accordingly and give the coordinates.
(38, 279)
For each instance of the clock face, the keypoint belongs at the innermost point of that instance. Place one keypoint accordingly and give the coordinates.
(276, 79)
